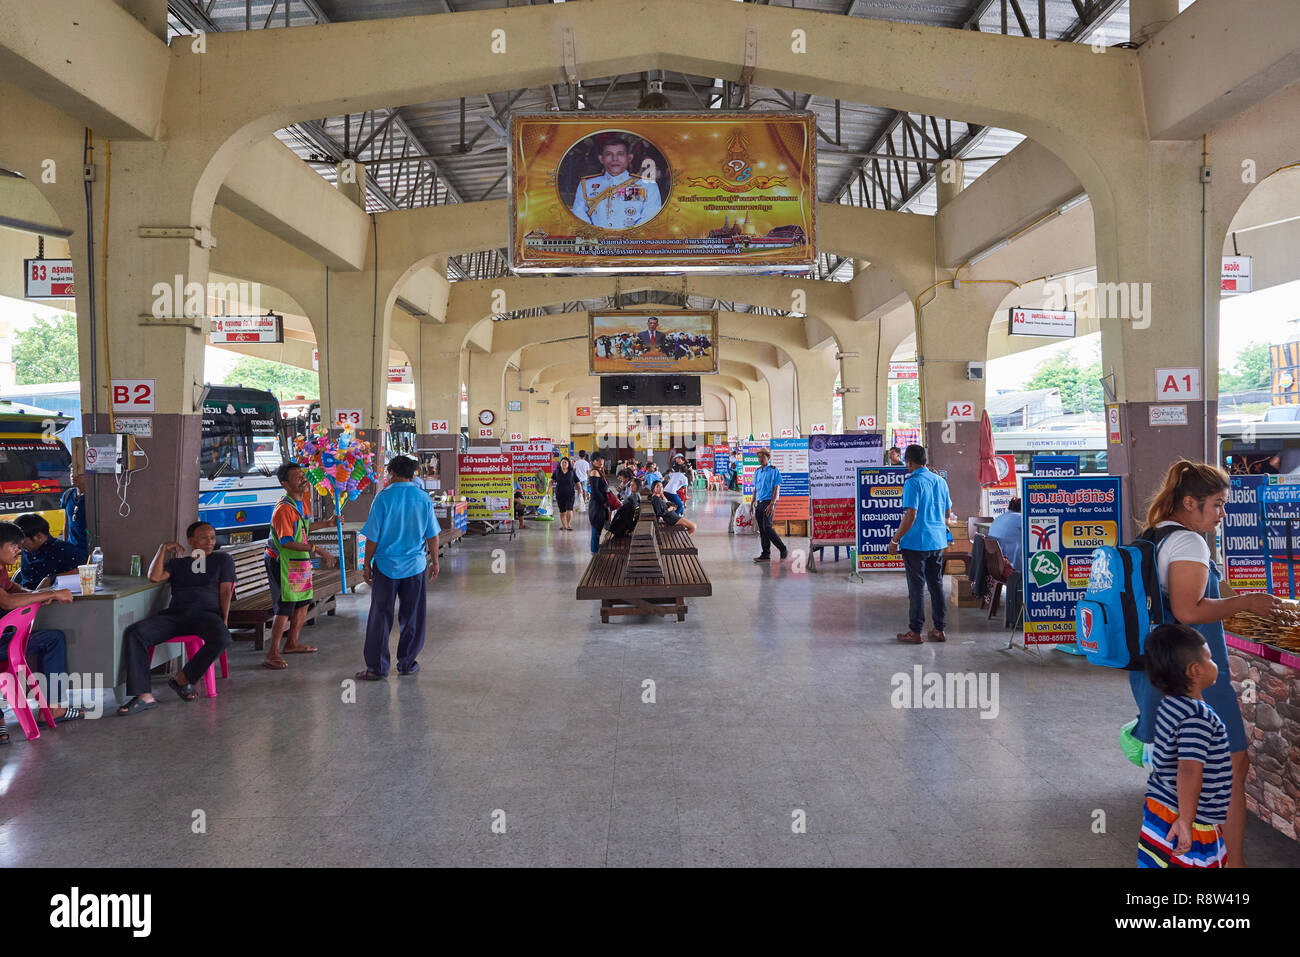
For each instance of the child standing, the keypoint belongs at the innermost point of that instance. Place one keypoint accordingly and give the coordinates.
(1191, 775)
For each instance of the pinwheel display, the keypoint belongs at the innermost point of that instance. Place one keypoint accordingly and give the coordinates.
(338, 469)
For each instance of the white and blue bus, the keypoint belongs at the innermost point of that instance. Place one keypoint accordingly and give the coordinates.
(239, 453)
(1090, 446)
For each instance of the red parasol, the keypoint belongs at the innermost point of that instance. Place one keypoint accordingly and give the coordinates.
(988, 468)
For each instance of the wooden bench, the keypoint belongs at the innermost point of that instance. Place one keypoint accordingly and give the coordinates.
(633, 576)
(250, 608)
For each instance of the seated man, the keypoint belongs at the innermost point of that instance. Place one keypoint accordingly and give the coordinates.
(203, 581)
(49, 649)
(44, 557)
(1008, 528)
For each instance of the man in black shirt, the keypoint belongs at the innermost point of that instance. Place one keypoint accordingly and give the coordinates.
(203, 581)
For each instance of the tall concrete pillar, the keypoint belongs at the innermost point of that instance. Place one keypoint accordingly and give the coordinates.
(949, 179)
(952, 331)
(1147, 17)
(486, 391)
(150, 330)
(815, 384)
(1152, 286)
(519, 421)
(352, 181)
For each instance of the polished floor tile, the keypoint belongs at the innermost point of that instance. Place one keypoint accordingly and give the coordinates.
(762, 731)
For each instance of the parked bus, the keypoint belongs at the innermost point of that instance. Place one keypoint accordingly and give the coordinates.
(35, 466)
(1260, 448)
(239, 451)
(1089, 446)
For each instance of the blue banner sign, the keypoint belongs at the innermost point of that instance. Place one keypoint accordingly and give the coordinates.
(1056, 466)
(1064, 520)
(880, 509)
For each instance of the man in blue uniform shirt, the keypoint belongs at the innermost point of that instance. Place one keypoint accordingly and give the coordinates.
(73, 503)
(767, 489)
(400, 531)
(922, 536)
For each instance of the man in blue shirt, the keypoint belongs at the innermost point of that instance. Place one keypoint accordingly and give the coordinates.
(401, 530)
(922, 536)
(73, 503)
(44, 558)
(1007, 528)
(767, 489)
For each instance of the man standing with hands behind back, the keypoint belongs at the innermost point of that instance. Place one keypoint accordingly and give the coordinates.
(922, 536)
(767, 489)
(401, 551)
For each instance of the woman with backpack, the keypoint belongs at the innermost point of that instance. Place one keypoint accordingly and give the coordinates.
(1188, 507)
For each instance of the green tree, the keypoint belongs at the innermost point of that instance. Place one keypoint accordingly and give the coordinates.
(47, 351)
(284, 381)
(1080, 385)
(1252, 371)
(908, 409)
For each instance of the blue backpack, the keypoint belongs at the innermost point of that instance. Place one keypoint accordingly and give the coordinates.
(1122, 603)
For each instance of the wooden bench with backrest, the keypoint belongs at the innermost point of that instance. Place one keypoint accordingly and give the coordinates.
(250, 608)
(632, 575)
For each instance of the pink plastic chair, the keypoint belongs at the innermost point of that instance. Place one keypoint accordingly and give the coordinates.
(15, 680)
(192, 644)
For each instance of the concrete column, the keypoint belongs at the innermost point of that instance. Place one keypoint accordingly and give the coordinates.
(352, 181)
(437, 384)
(950, 178)
(151, 13)
(952, 330)
(815, 385)
(782, 398)
(522, 420)
(486, 391)
(1147, 17)
(1150, 298)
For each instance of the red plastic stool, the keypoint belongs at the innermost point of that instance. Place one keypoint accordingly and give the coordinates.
(15, 680)
(192, 644)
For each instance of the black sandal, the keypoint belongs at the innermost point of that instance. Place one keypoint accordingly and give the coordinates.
(136, 705)
(70, 714)
(185, 692)
(4, 733)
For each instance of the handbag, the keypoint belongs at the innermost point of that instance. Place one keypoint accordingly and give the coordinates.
(295, 565)
(612, 501)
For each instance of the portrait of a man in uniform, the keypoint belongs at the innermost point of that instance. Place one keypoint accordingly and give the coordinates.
(617, 195)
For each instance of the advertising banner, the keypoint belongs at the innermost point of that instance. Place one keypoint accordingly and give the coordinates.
(268, 328)
(1064, 520)
(748, 464)
(487, 483)
(833, 463)
(527, 459)
(652, 342)
(790, 456)
(880, 509)
(660, 191)
(48, 279)
(1050, 323)
(1253, 564)
(721, 459)
(1055, 466)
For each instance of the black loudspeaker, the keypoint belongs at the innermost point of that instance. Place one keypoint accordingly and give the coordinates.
(650, 390)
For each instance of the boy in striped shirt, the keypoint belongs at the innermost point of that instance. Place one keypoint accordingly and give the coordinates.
(1191, 775)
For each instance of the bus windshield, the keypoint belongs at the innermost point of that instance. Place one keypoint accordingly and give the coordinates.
(25, 461)
(238, 424)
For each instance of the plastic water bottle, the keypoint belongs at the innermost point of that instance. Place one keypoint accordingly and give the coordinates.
(97, 559)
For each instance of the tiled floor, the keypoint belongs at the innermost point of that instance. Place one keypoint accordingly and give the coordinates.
(773, 697)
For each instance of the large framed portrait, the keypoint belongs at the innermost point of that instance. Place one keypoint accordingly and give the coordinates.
(649, 342)
(658, 192)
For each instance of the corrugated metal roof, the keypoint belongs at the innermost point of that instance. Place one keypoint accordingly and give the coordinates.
(465, 160)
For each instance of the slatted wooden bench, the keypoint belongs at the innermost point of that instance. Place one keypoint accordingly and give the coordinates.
(250, 608)
(632, 576)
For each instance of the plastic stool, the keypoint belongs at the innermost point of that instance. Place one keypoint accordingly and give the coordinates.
(192, 644)
(16, 689)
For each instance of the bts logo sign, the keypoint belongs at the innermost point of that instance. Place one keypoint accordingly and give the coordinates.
(865, 423)
(1044, 534)
(961, 412)
(438, 426)
(133, 395)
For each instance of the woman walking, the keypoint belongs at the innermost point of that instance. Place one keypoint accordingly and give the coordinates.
(565, 484)
(1188, 507)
